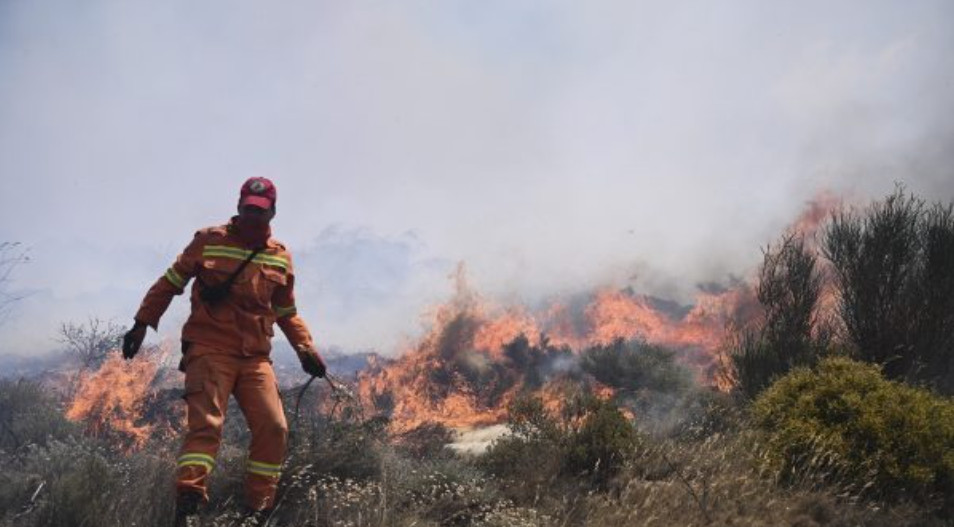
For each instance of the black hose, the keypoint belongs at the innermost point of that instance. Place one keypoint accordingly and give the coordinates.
(301, 394)
(291, 435)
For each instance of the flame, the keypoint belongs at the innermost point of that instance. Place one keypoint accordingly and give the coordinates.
(497, 333)
(435, 381)
(112, 400)
(460, 373)
(471, 364)
(614, 315)
(816, 211)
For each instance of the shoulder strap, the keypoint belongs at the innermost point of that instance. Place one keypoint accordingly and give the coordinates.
(228, 282)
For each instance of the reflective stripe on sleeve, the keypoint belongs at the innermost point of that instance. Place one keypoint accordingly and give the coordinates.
(197, 459)
(264, 469)
(175, 278)
(285, 311)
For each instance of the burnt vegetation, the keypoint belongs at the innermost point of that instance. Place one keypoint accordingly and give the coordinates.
(841, 415)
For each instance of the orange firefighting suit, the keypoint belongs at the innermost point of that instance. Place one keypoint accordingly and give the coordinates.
(226, 351)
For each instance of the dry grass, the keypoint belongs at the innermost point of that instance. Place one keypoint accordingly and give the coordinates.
(725, 481)
(345, 472)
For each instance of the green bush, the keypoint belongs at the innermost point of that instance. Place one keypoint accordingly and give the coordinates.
(530, 457)
(846, 423)
(587, 444)
(601, 445)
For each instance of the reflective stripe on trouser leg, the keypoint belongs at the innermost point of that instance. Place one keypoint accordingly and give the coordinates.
(263, 469)
(197, 459)
(257, 394)
(209, 380)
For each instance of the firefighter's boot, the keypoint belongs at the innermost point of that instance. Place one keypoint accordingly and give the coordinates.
(187, 509)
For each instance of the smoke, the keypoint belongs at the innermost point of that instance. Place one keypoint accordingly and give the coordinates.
(366, 290)
(555, 147)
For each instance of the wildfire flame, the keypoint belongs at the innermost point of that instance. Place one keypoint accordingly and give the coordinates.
(477, 357)
(111, 401)
(812, 218)
(459, 373)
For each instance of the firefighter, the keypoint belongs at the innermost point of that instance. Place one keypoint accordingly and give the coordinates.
(244, 283)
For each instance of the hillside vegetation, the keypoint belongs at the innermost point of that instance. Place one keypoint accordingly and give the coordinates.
(841, 415)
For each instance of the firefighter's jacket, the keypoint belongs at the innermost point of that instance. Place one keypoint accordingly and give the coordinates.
(261, 295)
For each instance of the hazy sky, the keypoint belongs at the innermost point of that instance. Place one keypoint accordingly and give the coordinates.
(553, 146)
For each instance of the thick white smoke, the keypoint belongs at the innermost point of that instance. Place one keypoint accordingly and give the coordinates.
(553, 146)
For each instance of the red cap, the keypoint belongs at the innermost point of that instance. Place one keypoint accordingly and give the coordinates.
(258, 191)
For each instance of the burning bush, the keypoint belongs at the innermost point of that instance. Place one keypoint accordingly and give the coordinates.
(110, 402)
(635, 366)
(449, 380)
(846, 423)
(645, 378)
(476, 358)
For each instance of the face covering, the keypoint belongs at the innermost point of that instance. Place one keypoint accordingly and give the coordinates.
(252, 233)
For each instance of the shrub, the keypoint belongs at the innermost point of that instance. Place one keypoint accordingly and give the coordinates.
(716, 482)
(427, 441)
(59, 484)
(846, 423)
(344, 449)
(531, 456)
(410, 492)
(588, 444)
(443, 491)
(90, 343)
(602, 443)
(707, 413)
(646, 379)
(28, 415)
(894, 269)
(634, 366)
(786, 336)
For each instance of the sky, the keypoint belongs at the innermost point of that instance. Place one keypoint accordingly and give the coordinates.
(551, 146)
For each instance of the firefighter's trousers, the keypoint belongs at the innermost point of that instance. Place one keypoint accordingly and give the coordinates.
(211, 377)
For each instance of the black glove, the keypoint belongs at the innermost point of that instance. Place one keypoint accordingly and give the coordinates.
(132, 340)
(312, 363)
